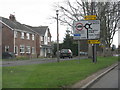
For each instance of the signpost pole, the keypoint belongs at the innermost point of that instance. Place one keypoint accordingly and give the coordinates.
(79, 50)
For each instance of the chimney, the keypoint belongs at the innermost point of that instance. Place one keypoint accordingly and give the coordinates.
(12, 17)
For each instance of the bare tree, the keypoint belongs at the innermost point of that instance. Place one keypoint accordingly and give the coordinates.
(106, 12)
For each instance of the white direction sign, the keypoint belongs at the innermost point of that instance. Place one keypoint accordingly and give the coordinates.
(86, 29)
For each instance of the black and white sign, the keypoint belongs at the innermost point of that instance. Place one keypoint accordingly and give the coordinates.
(86, 29)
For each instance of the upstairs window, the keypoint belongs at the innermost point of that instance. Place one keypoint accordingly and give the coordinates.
(28, 36)
(42, 38)
(33, 37)
(22, 35)
(48, 39)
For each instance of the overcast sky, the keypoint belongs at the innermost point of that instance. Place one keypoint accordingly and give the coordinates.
(35, 13)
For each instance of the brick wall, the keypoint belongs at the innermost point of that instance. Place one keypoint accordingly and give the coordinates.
(0, 40)
(7, 38)
(26, 42)
(37, 45)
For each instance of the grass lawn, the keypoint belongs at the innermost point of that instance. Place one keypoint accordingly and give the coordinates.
(52, 75)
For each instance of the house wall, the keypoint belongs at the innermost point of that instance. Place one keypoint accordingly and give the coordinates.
(38, 45)
(0, 40)
(7, 38)
(25, 42)
(45, 48)
(46, 38)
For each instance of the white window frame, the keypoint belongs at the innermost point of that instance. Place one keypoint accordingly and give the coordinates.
(6, 47)
(28, 49)
(33, 50)
(42, 38)
(22, 35)
(22, 48)
(33, 37)
(48, 39)
(28, 36)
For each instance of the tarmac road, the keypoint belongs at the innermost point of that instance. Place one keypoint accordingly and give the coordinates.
(109, 80)
(34, 61)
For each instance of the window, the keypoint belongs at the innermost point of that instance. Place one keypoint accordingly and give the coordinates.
(28, 36)
(22, 49)
(48, 39)
(33, 50)
(42, 38)
(27, 49)
(16, 34)
(22, 35)
(6, 48)
(33, 37)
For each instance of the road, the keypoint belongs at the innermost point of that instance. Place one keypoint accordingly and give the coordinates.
(33, 61)
(109, 80)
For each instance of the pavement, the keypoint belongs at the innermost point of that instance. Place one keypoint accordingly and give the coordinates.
(93, 78)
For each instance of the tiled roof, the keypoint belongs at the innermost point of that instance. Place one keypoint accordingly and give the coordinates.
(41, 29)
(16, 25)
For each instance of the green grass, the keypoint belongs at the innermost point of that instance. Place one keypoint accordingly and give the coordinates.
(52, 75)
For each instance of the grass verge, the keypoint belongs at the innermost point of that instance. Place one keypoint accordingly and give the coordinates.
(52, 75)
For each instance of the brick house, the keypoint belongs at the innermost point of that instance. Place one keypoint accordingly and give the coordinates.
(24, 40)
(19, 38)
(45, 40)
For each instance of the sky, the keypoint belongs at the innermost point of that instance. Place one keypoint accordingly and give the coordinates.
(36, 13)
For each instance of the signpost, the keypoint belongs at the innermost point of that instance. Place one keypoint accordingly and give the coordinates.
(87, 29)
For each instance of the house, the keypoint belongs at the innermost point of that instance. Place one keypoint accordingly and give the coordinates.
(17, 38)
(23, 40)
(45, 40)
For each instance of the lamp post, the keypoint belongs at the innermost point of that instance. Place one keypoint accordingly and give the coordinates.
(58, 59)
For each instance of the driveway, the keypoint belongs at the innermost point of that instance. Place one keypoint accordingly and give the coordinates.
(34, 61)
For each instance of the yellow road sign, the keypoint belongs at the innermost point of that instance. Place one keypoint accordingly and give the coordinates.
(90, 17)
(93, 42)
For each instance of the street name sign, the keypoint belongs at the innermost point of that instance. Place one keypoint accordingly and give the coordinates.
(86, 29)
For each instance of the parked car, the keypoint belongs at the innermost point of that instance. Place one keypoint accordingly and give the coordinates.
(66, 53)
(83, 53)
(8, 55)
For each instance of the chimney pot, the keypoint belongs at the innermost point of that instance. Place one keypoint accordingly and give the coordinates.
(12, 17)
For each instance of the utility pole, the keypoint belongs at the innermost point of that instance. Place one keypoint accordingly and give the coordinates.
(58, 58)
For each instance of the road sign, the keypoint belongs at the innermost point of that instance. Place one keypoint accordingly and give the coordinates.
(88, 29)
(90, 17)
(79, 26)
(93, 42)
